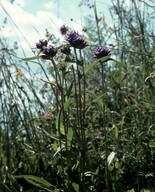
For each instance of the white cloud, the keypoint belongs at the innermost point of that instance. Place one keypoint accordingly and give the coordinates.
(48, 5)
(25, 26)
(19, 3)
(77, 27)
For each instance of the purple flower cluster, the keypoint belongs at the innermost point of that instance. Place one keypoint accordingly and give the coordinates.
(47, 50)
(101, 51)
(63, 30)
(41, 44)
(75, 40)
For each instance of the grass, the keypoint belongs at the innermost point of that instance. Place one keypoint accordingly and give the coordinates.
(91, 127)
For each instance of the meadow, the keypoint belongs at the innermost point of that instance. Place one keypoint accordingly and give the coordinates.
(85, 120)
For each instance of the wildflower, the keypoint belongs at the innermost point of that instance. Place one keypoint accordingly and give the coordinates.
(66, 50)
(49, 51)
(47, 115)
(63, 30)
(75, 40)
(19, 73)
(53, 81)
(101, 19)
(101, 51)
(41, 44)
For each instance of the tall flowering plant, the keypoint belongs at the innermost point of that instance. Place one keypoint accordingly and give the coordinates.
(71, 102)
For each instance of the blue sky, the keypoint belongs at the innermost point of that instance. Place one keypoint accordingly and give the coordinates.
(65, 9)
(34, 16)
(61, 8)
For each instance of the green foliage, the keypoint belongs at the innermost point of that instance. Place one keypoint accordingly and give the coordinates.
(90, 128)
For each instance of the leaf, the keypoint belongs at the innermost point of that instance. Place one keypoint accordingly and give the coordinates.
(69, 91)
(96, 99)
(76, 187)
(93, 64)
(132, 190)
(32, 58)
(110, 158)
(116, 132)
(54, 146)
(36, 181)
(59, 149)
(70, 134)
(62, 129)
(69, 138)
(56, 190)
(50, 135)
(117, 165)
(40, 56)
(67, 103)
(58, 120)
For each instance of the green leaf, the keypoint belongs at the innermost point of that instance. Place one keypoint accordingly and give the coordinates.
(54, 146)
(76, 187)
(96, 99)
(32, 58)
(93, 64)
(36, 181)
(40, 56)
(67, 103)
(116, 132)
(62, 129)
(70, 134)
(132, 190)
(69, 138)
(69, 91)
(110, 158)
(57, 48)
(59, 149)
(58, 120)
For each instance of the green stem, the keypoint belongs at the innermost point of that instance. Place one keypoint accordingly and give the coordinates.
(97, 25)
(61, 111)
(81, 114)
(104, 125)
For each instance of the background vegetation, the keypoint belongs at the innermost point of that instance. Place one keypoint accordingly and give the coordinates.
(79, 124)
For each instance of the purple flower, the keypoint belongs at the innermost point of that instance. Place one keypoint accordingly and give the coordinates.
(47, 115)
(41, 44)
(49, 51)
(101, 51)
(75, 40)
(63, 29)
